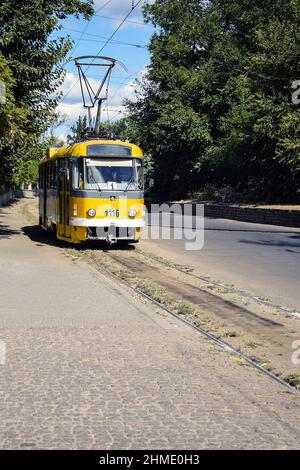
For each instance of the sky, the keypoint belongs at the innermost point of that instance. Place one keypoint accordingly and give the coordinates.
(89, 37)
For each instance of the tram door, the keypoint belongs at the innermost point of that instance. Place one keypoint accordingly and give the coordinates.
(64, 199)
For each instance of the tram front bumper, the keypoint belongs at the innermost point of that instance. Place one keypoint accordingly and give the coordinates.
(111, 234)
(100, 223)
(110, 229)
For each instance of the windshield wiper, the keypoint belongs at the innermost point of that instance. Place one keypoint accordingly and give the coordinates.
(129, 183)
(94, 181)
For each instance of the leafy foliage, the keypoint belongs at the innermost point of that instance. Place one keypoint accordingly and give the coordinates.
(78, 130)
(13, 121)
(215, 106)
(31, 65)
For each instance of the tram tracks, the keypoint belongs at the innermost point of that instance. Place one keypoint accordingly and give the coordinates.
(273, 338)
(223, 345)
(210, 282)
(256, 333)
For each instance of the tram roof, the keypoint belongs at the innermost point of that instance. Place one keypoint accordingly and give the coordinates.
(80, 149)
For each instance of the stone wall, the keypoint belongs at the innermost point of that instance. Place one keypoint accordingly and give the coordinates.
(256, 215)
(5, 198)
(284, 217)
(8, 196)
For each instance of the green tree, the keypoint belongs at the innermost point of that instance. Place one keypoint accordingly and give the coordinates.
(117, 129)
(56, 120)
(36, 60)
(11, 117)
(36, 65)
(256, 142)
(13, 123)
(216, 105)
(78, 130)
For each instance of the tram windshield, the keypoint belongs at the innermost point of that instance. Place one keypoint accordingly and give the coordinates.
(112, 174)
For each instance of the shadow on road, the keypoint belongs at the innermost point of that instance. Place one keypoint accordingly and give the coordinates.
(285, 244)
(41, 237)
(5, 230)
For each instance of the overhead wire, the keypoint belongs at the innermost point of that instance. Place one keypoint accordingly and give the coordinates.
(143, 46)
(87, 25)
(106, 43)
(119, 19)
(134, 6)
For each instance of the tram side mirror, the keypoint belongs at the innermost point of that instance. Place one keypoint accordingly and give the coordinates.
(150, 185)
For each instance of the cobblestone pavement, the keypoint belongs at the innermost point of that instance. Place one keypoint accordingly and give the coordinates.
(90, 366)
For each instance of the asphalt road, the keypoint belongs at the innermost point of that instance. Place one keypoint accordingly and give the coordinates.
(88, 365)
(261, 259)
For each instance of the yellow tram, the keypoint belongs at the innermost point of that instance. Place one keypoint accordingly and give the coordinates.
(93, 190)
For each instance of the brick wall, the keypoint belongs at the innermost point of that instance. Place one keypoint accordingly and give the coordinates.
(287, 218)
(256, 215)
(8, 196)
(5, 198)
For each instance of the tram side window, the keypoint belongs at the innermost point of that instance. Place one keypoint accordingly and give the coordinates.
(54, 176)
(42, 176)
(48, 175)
(77, 173)
(51, 174)
(140, 176)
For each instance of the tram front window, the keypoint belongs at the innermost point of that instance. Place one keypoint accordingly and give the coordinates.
(116, 174)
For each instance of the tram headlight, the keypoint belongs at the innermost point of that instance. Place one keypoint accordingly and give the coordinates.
(91, 212)
(132, 212)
